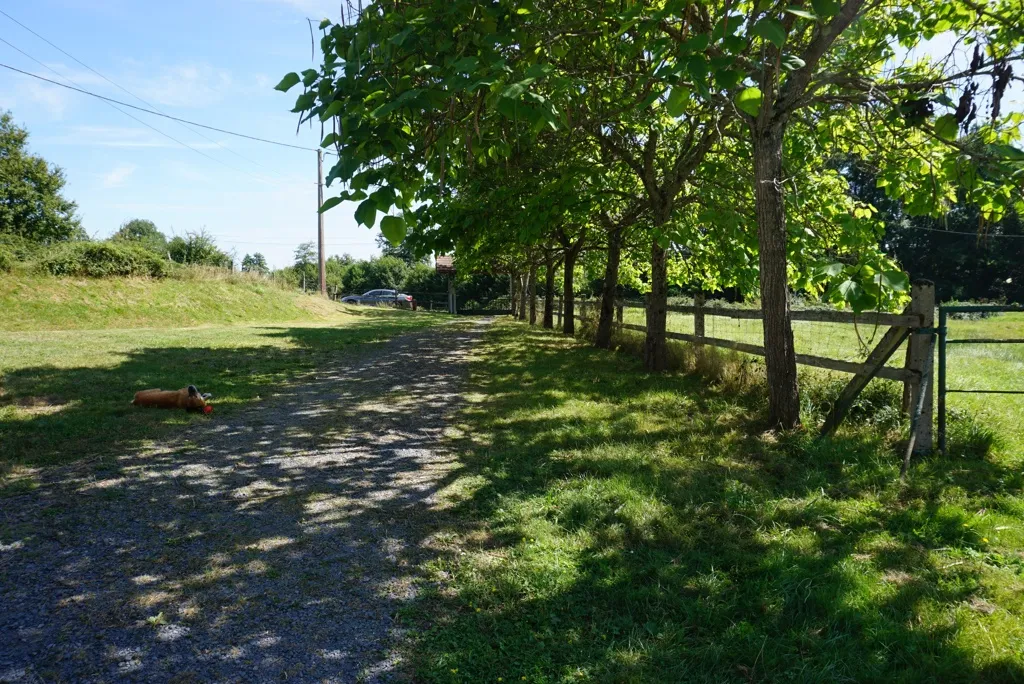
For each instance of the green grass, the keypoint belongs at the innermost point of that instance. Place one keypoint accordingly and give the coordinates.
(609, 525)
(64, 394)
(37, 302)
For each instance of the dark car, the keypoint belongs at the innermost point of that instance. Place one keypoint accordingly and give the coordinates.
(382, 298)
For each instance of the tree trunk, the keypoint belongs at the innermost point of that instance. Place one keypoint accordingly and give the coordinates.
(655, 356)
(780, 354)
(549, 291)
(569, 309)
(522, 297)
(513, 293)
(533, 294)
(611, 283)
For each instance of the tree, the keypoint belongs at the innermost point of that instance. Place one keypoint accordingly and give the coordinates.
(403, 250)
(198, 249)
(305, 260)
(660, 86)
(31, 204)
(144, 233)
(255, 263)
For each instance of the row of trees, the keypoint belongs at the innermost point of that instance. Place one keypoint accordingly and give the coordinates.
(706, 145)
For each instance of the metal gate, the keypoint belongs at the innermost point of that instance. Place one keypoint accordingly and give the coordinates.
(944, 312)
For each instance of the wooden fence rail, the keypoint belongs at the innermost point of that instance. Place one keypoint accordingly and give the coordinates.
(914, 323)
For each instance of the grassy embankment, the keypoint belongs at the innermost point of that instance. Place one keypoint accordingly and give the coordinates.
(609, 525)
(73, 352)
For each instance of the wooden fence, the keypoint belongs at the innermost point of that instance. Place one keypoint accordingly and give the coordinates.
(916, 323)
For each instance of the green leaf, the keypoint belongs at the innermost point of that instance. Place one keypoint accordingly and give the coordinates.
(330, 203)
(825, 8)
(945, 127)
(898, 281)
(366, 213)
(514, 91)
(304, 101)
(1007, 152)
(324, 23)
(832, 270)
(333, 109)
(393, 228)
(308, 76)
(749, 100)
(771, 30)
(677, 99)
(329, 139)
(287, 82)
(803, 14)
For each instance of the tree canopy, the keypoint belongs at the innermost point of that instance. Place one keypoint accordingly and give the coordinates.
(144, 233)
(699, 138)
(31, 204)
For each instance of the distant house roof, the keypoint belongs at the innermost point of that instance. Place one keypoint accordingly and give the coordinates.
(444, 264)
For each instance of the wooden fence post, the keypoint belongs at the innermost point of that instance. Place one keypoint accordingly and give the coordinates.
(559, 326)
(698, 314)
(922, 302)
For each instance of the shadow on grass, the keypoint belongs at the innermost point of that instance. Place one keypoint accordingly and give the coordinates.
(274, 543)
(617, 526)
(62, 415)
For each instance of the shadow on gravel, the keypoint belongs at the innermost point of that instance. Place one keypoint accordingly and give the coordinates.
(276, 543)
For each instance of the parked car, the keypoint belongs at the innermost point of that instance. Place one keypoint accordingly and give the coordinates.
(382, 298)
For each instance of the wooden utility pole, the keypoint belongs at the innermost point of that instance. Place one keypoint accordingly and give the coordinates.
(320, 221)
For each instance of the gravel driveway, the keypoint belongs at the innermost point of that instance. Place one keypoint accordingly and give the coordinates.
(275, 545)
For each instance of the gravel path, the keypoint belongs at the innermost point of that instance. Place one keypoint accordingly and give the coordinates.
(275, 545)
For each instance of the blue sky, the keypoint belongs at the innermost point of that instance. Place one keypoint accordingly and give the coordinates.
(215, 62)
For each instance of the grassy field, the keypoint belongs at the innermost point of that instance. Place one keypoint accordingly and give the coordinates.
(979, 366)
(38, 302)
(609, 525)
(64, 394)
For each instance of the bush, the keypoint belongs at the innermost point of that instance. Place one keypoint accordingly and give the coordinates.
(6, 260)
(102, 260)
(19, 248)
(879, 405)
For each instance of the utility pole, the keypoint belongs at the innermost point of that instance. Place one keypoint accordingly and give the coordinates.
(320, 220)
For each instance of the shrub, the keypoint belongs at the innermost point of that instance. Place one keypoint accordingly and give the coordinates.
(102, 259)
(19, 248)
(879, 405)
(6, 260)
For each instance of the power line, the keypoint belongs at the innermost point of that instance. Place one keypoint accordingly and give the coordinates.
(131, 116)
(125, 90)
(156, 113)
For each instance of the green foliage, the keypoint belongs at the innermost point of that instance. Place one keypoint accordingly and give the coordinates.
(305, 268)
(102, 260)
(197, 249)
(7, 260)
(380, 272)
(255, 263)
(144, 233)
(31, 204)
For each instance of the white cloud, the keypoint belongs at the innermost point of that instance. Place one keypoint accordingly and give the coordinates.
(117, 176)
(31, 93)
